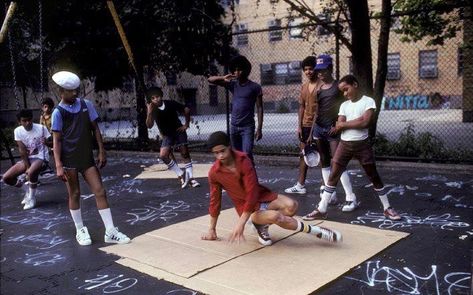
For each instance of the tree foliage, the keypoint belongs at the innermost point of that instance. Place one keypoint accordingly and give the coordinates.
(168, 35)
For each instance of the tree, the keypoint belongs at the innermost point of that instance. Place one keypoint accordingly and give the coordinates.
(169, 36)
(349, 21)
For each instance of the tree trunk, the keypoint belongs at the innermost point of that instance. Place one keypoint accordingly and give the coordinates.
(361, 44)
(382, 65)
(141, 111)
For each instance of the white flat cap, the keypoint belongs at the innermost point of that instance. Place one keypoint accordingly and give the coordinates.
(66, 80)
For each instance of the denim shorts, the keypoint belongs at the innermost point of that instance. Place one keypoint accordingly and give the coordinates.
(264, 206)
(176, 140)
(323, 133)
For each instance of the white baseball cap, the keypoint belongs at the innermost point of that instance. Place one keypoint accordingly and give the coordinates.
(66, 80)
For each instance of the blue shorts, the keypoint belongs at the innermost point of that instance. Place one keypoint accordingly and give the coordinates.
(264, 206)
(176, 140)
(322, 133)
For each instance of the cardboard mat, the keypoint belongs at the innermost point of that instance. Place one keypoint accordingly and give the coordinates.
(160, 171)
(297, 263)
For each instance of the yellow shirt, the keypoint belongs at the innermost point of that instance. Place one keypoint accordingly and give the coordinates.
(46, 121)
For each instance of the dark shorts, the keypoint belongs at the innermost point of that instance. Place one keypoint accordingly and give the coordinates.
(360, 150)
(321, 133)
(175, 140)
(80, 164)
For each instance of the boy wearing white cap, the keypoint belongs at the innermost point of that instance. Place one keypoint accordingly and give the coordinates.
(74, 126)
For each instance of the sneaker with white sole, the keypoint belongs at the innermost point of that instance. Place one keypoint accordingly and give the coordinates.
(296, 189)
(392, 214)
(194, 183)
(330, 235)
(25, 197)
(315, 215)
(30, 202)
(83, 237)
(350, 206)
(184, 180)
(116, 237)
(263, 234)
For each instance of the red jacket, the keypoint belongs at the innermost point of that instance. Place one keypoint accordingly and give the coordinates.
(242, 187)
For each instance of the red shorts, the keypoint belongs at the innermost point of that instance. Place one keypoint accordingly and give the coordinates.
(360, 150)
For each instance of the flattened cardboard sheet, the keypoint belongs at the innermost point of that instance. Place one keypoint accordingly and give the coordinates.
(299, 263)
(160, 171)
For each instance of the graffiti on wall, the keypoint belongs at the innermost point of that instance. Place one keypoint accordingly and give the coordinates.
(434, 101)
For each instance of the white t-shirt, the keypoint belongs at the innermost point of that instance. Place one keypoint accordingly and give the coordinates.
(33, 141)
(354, 110)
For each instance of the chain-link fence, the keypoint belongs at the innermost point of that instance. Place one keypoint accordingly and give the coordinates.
(421, 115)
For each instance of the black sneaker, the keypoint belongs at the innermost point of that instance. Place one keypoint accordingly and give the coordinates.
(263, 234)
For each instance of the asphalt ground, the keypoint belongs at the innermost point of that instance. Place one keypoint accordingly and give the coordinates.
(39, 253)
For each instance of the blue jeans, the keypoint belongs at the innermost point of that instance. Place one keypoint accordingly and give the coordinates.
(243, 138)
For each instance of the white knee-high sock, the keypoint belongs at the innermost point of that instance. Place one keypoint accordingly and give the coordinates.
(188, 168)
(107, 219)
(308, 228)
(346, 183)
(77, 218)
(383, 197)
(325, 174)
(174, 167)
(323, 204)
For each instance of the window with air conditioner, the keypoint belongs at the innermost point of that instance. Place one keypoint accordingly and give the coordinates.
(281, 72)
(266, 74)
(275, 32)
(428, 64)
(394, 66)
(321, 31)
(240, 36)
(295, 31)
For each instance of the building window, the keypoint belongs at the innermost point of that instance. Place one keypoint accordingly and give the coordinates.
(275, 33)
(281, 73)
(321, 31)
(295, 32)
(428, 64)
(394, 66)
(460, 61)
(241, 39)
(213, 95)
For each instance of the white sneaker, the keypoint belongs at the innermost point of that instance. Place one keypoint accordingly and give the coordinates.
(330, 235)
(184, 180)
(194, 183)
(83, 237)
(296, 189)
(350, 206)
(30, 202)
(25, 197)
(263, 234)
(116, 237)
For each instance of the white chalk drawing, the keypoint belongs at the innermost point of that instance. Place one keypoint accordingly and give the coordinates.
(433, 178)
(41, 259)
(38, 241)
(455, 184)
(46, 218)
(126, 185)
(284, 179)
(182, 292)
(85, 197)
(423, 194)
(445, 221)
(107, 178)
(163, 211)
(451, 197)
(406, 281)
(109, 284)
(3, 259)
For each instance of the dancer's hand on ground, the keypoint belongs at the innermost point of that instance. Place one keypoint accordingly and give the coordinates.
(237, 234)
(211, 235)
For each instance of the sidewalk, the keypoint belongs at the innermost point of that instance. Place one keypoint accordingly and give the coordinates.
(39, 254)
